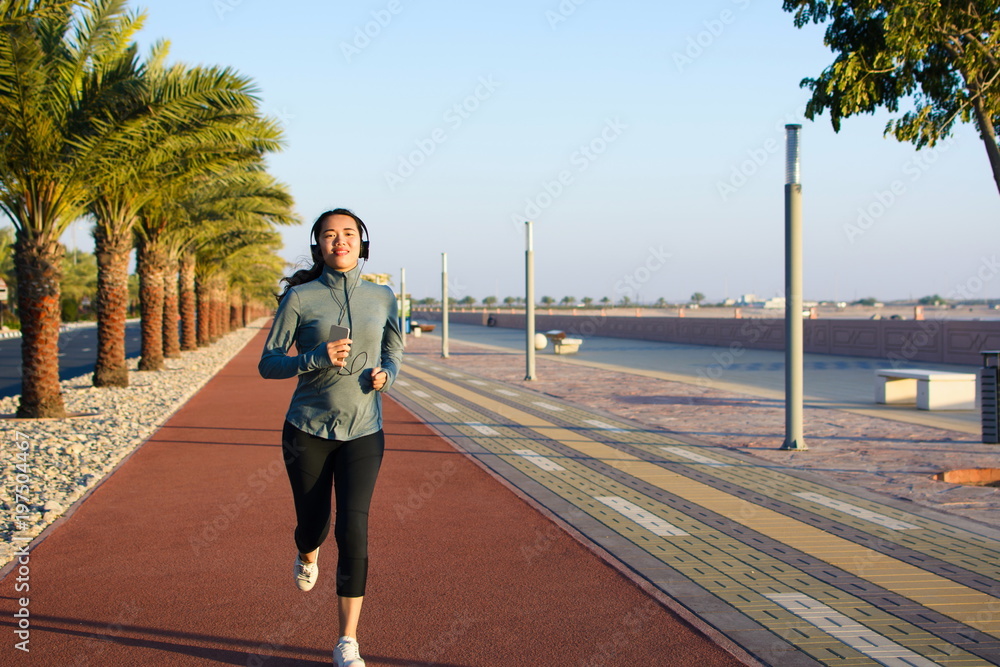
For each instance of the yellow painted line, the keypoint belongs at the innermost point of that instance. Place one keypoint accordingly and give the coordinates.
(942, 595)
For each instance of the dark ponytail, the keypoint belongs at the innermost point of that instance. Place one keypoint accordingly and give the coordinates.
(316, 270)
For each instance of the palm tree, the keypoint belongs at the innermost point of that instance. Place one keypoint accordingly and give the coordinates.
(247, 198)
(198, 121)
(64, 74)
(221, 257)
(252, 278)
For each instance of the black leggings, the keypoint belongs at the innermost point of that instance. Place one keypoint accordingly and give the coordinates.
(316, 467)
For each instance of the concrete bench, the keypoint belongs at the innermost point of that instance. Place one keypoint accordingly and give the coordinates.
(416, 328)
(561, 344)
(930, 390)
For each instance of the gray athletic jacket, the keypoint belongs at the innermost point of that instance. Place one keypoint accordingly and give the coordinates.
(326, 403)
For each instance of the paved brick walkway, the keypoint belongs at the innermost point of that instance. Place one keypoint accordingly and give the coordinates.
(888, 456)
(793, 559)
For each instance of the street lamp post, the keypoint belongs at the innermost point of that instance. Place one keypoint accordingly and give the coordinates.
(402, 305)
(529, 309)
(444, 305)
(793, 292)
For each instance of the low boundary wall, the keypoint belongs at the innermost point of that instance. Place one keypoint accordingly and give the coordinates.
(899, 341)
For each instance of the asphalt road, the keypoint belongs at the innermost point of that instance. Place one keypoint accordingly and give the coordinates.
(77, 355)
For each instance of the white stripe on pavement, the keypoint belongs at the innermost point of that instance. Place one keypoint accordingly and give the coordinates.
(647, 520)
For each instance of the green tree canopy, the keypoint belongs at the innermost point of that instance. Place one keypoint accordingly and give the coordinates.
(933, 300)
(942, 56)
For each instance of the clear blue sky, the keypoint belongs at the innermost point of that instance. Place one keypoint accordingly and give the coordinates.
(675, 97)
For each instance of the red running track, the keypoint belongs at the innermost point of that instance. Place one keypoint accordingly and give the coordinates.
(183, 557)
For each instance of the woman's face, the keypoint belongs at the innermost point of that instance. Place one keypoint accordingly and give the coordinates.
(340, 242)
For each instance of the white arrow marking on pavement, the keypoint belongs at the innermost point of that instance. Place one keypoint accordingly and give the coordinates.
(647, 520)
(602, 425)
(677, 451)
(854, 510)
(482, 428)
(857, 636)
(541, 461)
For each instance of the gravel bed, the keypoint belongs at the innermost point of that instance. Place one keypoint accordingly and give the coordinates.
(49, 464)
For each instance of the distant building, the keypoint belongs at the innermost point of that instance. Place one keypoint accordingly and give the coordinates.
(747, 300)
(377, 278)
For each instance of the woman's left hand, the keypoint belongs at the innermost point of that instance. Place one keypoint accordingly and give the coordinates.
(379, 378)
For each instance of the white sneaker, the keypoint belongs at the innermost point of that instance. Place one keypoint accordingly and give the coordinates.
(305, 574)
(347, 653)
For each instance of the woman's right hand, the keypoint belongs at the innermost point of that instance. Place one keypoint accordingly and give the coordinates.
(338, 351)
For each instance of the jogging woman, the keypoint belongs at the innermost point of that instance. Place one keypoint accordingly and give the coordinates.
(332, 439)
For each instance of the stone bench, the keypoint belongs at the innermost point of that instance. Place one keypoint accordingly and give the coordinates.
(416, 328)
(930, 390)
(561, 344)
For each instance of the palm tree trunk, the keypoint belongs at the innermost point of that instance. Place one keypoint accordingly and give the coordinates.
(235, 312)
(152, 261)
(218, 310)
(188, 303)
(38, 285)
(204, 313)
(171, 312)
(112, 307)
